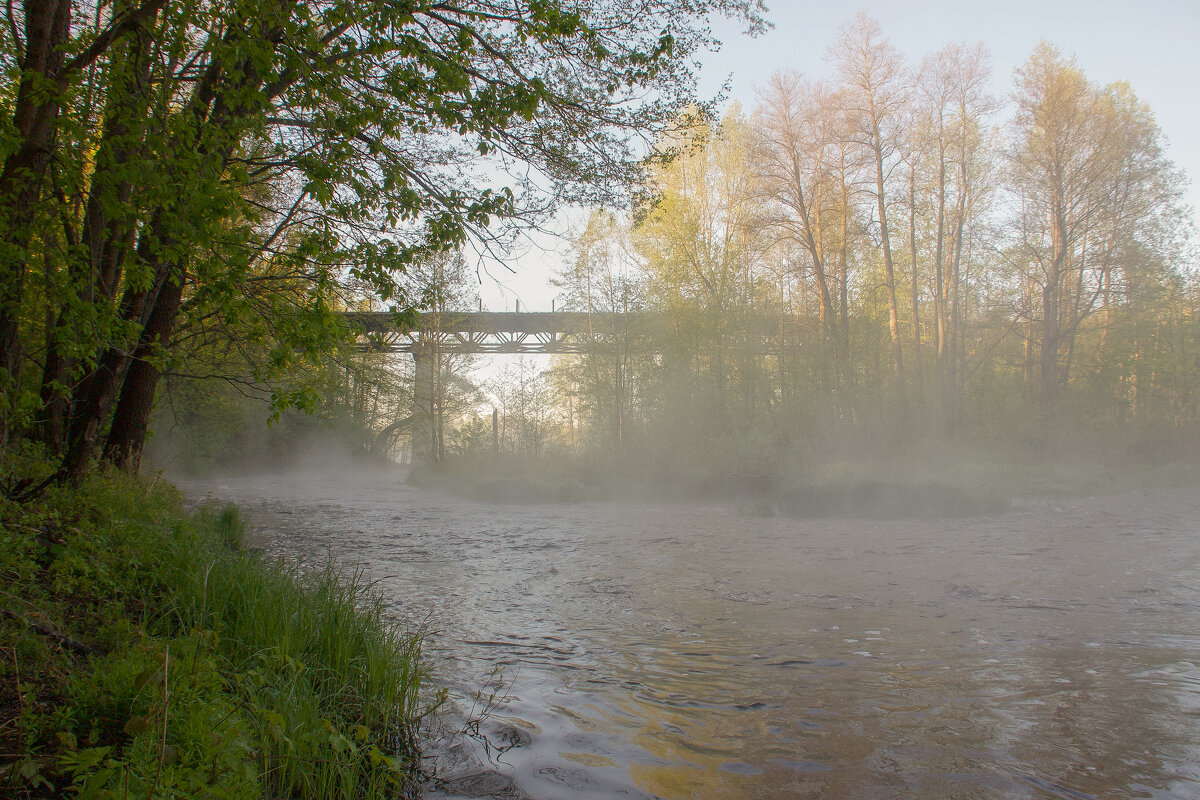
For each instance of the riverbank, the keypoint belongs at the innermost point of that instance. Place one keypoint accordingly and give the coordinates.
(144, 653)
(926, 485)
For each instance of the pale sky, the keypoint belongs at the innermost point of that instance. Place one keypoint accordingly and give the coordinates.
(1154, 45)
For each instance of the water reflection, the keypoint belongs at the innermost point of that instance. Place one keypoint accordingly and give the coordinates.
(682, 652)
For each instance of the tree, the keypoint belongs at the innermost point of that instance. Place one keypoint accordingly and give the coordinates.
(954, 105)
(1096, 201)
(440, 390)
(45, 76)
(701, 239)
(606, 284)
(798, 158)
(524, 399)
(352, 140)
(876, 90)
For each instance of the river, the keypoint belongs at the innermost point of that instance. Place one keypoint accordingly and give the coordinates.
(677, 651)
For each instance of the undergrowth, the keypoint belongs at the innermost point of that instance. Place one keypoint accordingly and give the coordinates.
(144, 654)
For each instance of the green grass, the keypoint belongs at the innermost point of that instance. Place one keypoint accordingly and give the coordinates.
(213, 672)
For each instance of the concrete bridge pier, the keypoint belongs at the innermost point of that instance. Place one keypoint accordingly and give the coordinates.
(424, 416)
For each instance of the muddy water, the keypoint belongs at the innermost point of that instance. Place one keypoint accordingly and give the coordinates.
(676, 652)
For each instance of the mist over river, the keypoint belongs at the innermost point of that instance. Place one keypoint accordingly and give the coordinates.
(688, 651)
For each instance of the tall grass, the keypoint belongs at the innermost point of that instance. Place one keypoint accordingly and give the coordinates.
(316, 650)
(221, 674)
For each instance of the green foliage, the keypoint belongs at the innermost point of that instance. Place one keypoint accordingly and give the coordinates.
(228, 176)
(229, 527)
(212, 672)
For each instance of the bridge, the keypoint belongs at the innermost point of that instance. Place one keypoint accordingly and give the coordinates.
(499, 332)
(431, 335)
(505, 332)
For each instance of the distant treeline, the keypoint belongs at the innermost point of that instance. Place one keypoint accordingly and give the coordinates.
(937, 262)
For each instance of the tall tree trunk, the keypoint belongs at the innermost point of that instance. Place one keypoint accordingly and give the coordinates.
(1048, 366)
(810, 220)
(47, 27)
(56, 373)
(939, 277)
(97, 391)
(131, 419)
(844, 270)
(958, 353)
(889, 272)
(914, 285)
(108, 226)
(1028, 362)
(1051, 312)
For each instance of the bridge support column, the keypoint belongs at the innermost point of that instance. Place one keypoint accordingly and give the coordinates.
(424, 420)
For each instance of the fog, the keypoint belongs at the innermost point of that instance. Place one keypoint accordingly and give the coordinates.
(858, 458)
(690, 648)
(850, 613)
(706, 562)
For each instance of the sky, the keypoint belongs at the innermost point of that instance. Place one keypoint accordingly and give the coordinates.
(1154, 45)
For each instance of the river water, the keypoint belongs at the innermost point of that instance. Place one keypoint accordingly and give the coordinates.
(608, 650)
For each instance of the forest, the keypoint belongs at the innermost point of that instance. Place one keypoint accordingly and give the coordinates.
(884, 262)
(197, 189)
(875, 261)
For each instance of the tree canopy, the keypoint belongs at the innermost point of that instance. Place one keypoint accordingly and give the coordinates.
(158, 159)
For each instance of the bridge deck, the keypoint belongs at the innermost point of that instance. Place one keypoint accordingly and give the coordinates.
(529, 331)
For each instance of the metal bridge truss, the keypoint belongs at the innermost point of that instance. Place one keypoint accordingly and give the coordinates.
(525, 332)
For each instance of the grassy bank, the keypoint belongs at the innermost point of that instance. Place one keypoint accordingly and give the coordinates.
(144, 654)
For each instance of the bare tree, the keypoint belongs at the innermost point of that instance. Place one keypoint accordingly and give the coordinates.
(876, 91)
(797, 152)
(954, 106)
